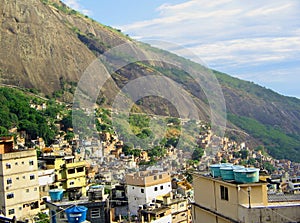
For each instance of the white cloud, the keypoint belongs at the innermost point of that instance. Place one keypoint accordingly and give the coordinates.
(74, 4)
(232, 35)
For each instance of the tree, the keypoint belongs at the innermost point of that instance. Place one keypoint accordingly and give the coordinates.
(69, 136)
(251, 161)
(66, 122)
(43, 218)
(3, 131)
(244, 154)
(269, 167)
(197, 154)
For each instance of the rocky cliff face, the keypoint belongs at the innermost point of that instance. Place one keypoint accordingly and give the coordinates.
(39, 45)
(43, 42)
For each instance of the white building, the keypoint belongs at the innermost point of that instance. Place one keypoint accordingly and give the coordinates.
(46, 179)
(143, 187)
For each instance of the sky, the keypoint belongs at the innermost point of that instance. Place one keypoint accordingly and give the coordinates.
(258, 41)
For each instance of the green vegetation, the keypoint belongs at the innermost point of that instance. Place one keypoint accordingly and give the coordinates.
(43, 218)
(15, 112)
(269, 167)
(277, 143)
(197, 154)
(139, 124)
(62, 7)
(66, 87)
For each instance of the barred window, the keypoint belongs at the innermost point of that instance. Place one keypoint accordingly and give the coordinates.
(224, 193)
(95, 212)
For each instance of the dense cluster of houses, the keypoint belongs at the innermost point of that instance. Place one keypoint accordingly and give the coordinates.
(96, 174)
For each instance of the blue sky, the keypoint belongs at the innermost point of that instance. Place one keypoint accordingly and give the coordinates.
(257, 41)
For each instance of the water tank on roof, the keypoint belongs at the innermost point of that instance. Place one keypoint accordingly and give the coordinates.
(76, 214)
(56, 194)
(246, 175)
(215, 169)
(227, 171)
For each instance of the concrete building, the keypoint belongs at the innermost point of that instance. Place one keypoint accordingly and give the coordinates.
(179, 206)
(169, 208)
(294, 185)
(156, 215)
(70, 175)
(96, 203)
(19, 186)
(46, 180)
(222, 201)
(143, 187)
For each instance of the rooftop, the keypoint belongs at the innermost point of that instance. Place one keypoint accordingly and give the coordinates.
(83, 200)
(209, 176)
(283, 197)
(156, 210)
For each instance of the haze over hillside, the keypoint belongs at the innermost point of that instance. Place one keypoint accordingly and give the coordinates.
(46, 46)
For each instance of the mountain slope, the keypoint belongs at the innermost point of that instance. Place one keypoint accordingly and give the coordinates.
(46, 44)
(38, 45)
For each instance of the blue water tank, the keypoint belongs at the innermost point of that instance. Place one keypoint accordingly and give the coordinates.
(215, 169)
(246, 175)
(227, 171)
(56, 194)
(76, 214)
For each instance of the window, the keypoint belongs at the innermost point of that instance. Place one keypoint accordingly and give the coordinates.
(80, 169)
(34, 205)
(27, 190)
(23, 162)
(31, 162)
(155, 188)
(142, 190)
(161, 187)
(160, 176)
(16, 163)
(10, 195)
(71, 171)
(95, 213)
(24, 177)
(9, 181)
(224, 193)
(8, 166)
(35, 189)
(72, 183)
(11, 211)
(32, 177)
(155, 177)
(17, 178)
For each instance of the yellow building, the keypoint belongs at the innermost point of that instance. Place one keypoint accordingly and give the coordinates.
(179, 206)
(19, 187)
(70, 175)
(219, 201)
